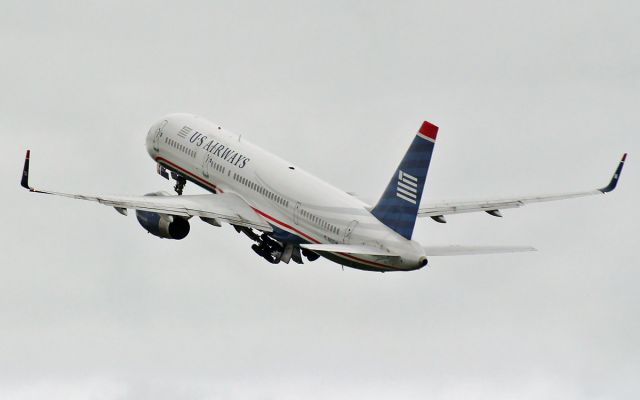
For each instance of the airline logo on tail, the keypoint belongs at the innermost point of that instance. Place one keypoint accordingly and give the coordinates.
(407, 188)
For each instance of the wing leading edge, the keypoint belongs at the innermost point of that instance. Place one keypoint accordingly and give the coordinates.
(226, 207)
(437, 211)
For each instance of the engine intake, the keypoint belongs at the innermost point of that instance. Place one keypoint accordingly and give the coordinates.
(163, 225)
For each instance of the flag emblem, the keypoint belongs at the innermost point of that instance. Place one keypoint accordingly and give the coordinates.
(184, 131)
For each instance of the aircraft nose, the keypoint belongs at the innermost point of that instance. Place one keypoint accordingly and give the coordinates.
(154, 136)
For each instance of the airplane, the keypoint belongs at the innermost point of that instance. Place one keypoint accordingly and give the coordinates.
(289, 213)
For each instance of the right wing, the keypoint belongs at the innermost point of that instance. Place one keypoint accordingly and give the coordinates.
(226, 207)
(473, 250)
(437, 211)
(453, 250)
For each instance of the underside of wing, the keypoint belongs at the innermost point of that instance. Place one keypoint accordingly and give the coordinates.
(455, 250)
(225, 207)
(437, 211)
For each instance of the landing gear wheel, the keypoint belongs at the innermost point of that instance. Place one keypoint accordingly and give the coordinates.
(311, 256)
(265, 252)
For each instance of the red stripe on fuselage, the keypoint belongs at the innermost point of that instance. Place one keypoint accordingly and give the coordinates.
(207, 183)
(317, 241)
(267, 216)
(287, 226)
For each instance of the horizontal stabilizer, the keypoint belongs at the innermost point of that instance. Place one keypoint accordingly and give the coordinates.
(348, 248)
(455, 250)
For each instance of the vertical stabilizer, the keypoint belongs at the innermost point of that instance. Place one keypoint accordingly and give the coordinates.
(398, 206)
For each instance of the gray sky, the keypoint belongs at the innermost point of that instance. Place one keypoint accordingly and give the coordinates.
(538, 96)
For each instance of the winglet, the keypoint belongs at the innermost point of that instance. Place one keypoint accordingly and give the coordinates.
(616, 176)
(25, 172)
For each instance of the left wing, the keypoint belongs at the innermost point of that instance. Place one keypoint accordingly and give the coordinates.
(439, 210)
(226, 207)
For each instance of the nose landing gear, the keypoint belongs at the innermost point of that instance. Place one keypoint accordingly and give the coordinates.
(181, 181)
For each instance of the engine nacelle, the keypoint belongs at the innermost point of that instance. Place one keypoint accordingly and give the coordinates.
(163, 225)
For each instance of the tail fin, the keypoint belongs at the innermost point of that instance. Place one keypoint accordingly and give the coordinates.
(398, 206)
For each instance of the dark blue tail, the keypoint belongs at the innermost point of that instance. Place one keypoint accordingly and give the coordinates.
(398, 206)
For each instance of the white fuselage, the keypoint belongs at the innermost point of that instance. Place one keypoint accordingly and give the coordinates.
(300, 207)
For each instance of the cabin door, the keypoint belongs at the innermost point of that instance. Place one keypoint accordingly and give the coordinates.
(347, 233)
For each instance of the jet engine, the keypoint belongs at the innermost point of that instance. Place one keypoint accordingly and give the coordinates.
(163, 225)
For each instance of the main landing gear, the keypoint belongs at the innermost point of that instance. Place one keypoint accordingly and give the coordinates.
(275, 251)
(269, 251)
